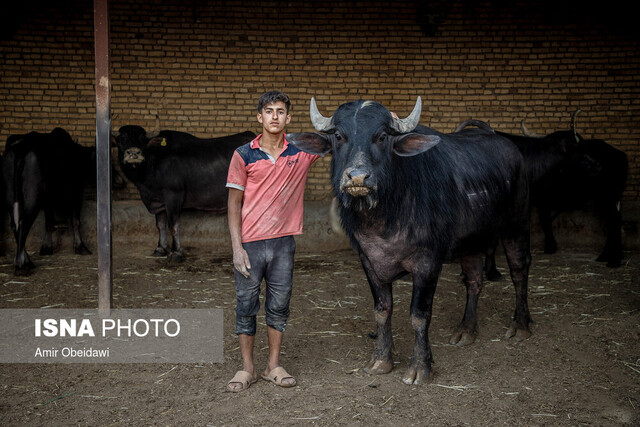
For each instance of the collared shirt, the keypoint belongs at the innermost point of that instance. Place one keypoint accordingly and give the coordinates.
(273, 189)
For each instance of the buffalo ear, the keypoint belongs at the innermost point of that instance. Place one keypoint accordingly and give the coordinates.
(157, 141)
(414, 143)
(310, 142)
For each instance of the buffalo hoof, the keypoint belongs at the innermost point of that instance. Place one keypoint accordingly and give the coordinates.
(462, 337)
(175, 257)
(24, 270)
(378, 367)
(612, 261)
(550, 248)
(160, 251)
(46, 250)
(517, 332)
(493, 275)
(82, 250)
(417, 376)
(21, 272)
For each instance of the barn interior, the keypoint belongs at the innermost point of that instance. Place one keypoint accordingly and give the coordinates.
(195, 65)
(199, 66)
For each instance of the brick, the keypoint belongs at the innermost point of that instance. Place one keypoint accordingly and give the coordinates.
(198, 74)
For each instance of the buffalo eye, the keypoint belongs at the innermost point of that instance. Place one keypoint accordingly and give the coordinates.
(382, 137)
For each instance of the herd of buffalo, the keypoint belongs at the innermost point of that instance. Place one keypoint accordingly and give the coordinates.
(409, 198)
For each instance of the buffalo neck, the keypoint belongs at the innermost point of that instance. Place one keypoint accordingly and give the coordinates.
(405, 200)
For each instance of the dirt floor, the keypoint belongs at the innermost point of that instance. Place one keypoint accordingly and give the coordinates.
(580, 367)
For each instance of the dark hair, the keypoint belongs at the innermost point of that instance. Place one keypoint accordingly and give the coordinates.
(271, 97)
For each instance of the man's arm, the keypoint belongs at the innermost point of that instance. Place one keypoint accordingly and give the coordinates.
(240, 257)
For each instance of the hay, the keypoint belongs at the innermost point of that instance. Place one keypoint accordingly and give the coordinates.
(457, 387)
(633, 366)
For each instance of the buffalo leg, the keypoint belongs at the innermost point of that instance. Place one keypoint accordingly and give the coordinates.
(519, 260)
(467, 331)
(24, 212)
(173, 221)
(3, 220)
(21, 223)
(78, 245)
(382, 358)
(490, 269)
(546, 223)
(49, 227)
(612, 253)
(161, 225)
(424, 287)
(176, 254)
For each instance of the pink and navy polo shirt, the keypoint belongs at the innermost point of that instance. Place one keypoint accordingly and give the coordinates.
(273, 190)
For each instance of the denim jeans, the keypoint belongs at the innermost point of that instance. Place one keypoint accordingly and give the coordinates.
(271, 260)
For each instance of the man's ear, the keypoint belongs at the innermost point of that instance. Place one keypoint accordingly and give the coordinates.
(311, 142)
(414, 143)
(259, 118)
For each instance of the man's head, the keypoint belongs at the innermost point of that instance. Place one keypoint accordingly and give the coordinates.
(273, 112)
(272, 97)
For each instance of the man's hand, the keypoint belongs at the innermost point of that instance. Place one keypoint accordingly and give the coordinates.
(240, 256)
(241, 262)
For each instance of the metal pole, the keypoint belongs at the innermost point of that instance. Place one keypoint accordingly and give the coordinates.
(103, 155)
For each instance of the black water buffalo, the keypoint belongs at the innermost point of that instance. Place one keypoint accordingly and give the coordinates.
(175, 171)
(567, 172)
(594, 175)
(543, 158)
(411, 198)
(3, 212)
(45, 171)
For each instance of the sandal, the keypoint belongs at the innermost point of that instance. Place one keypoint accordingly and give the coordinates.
(244, 378)
(278, 376)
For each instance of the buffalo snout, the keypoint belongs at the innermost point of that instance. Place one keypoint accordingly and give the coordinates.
(133, 155)
(354, 181)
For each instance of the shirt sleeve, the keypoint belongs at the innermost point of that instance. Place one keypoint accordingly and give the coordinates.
(237, 176)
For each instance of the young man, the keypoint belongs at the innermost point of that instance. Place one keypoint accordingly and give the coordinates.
(266, 187)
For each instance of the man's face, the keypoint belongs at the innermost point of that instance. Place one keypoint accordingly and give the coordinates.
(274, 117)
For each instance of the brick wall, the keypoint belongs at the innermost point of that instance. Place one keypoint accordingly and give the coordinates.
(202, 65)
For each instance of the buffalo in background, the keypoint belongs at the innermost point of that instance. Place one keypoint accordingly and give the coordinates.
(174, 171)
(594, 173)
(566, 173)
(48, 172)
(411, 198)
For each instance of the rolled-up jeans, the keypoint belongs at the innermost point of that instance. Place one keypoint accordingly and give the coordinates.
(271, 260)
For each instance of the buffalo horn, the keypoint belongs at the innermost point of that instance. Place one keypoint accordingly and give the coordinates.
(408, 124)
(527, 132)
(156, 131)
(573, 124)
(320, 122)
